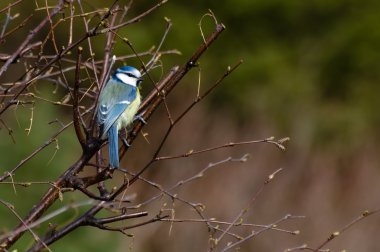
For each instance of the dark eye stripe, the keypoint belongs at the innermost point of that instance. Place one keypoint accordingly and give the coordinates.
(130, 75)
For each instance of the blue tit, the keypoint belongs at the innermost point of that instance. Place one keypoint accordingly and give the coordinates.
(118, 104)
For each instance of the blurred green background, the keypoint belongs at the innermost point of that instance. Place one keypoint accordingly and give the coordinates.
(311, 72)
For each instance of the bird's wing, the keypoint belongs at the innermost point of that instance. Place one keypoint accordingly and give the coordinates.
(113, 101)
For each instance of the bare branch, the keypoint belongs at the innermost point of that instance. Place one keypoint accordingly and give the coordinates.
(93, 144)
(245, 210)
(232, 144)
(76, 114)
(31, 35)
(10, 5)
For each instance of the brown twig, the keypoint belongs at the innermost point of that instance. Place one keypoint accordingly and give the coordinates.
(256, 233)
(35, 236)
(10, 6)
(172, 82)
(332, 236)
(76, 114)
(227, 145)
(7, 174)
(22, 24)
(135, 19)
(91, 33)
(245, 210)
(335, 234)
(29, 38)
(93, 145)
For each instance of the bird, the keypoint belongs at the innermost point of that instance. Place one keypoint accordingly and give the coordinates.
(118, 105)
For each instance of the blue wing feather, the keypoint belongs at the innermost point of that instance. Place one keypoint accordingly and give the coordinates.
(113, 101)
(113, 148)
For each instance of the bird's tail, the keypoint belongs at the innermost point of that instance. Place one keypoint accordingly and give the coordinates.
(113, 147)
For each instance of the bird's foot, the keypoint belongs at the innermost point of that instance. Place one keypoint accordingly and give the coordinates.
(125, 142)
(140, 118)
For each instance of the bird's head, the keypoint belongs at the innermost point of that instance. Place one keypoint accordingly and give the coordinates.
(128, 75)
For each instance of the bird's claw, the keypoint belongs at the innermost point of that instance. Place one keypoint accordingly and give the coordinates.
(125, 143)
(140, 118)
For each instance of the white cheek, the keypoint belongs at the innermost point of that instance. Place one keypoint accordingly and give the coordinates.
(126, 79)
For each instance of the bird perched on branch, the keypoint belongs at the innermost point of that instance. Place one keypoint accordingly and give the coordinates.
(118, 104)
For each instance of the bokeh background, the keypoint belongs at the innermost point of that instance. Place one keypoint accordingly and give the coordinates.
(311, 72)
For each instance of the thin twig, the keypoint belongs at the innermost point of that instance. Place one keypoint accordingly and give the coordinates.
(227, 145)
(248, 206)
(76, 113)
(256, 233)
(10, 5)
(29, 38)
(35, 236)
(335, 234)
(94, 144)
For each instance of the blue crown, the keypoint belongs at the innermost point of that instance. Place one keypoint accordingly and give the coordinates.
(126, 69)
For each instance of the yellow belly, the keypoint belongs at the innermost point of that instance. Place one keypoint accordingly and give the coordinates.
(127, 116)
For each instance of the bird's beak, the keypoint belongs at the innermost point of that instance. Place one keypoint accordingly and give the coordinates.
(139, 80)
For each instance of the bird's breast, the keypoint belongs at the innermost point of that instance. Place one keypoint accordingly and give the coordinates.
(129, 113)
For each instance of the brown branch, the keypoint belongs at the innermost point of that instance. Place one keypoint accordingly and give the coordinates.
(107, 53)
(364, 215)
(51, 196)
(155, 219)
(150, 98)
(135, 19)
(53, 193)
(198, 99)
(196, 206)
(22, 24)
(91, 33)
(156, 54)
(5, 57)
(93, 145)
(121, 217)
(246, 208)
(305, 247)
(35, 236)
(240, 224)
(256, 233)
(177, 76)
(335, 234)
(7, 174)
(10, 5)
(163, 95)
(29, 38)
(277, 143)
(76, 114)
